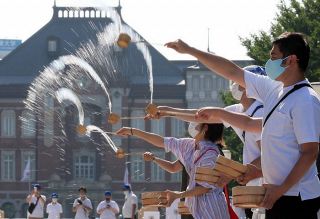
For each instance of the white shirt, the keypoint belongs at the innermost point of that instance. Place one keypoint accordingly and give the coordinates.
(294, 122)
(251, 150)
(81, 213)
(54, 210)
(107, 214)
(39, 209)
(127, 206)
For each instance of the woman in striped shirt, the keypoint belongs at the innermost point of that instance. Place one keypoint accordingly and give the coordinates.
(204, 200)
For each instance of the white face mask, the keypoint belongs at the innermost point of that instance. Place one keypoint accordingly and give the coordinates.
(126, 193)
(192, 129)
(54, 200)
(236, 93)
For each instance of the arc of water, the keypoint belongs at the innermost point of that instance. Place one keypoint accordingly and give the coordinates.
(74, 60)
(67, 94)
(91, 128)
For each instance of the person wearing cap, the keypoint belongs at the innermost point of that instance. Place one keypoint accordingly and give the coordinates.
(108, 209)
(54, 208)
(130, 206)
(82, 206)
(36, 203)
(290, 126)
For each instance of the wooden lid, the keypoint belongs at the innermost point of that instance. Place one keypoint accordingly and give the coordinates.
(184, 211)
(153, 195)
(149, 208)
(207, 171)
(154, 202)
(248, 190)
(227, 170)
(207, 178)
(247, 201)
(232, 164)
(181, 205)
(152, 109)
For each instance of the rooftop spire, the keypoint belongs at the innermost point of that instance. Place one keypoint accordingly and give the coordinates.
(118, 8)
(54, 3)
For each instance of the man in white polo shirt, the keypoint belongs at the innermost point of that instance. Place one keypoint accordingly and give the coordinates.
(108, 209)
(36, 203)
(130, 206)
(82, 206)
(290, 134)
(54, 209)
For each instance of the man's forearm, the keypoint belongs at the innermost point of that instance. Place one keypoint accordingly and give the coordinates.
(166, 165)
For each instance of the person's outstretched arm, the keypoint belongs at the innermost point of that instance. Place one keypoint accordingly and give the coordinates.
(171, 167)
(185, 118)
(239, 120)
(220, 65)
(152, 138)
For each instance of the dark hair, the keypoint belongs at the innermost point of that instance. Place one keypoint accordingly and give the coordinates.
(214, 133)
(82, 189)
(292, 43)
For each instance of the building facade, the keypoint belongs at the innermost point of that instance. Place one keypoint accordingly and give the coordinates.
(64, 161)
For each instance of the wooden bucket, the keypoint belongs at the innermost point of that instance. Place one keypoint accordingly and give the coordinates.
(182, 209)
(248, 196)
(158, 199)
(123, 40)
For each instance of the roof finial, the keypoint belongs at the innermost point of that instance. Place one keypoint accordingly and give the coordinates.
(119, 4)
(54, 3)
(208, 49)
(119, 8)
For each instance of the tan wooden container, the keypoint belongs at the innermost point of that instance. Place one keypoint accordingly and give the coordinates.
(207, 178)
(207, 171)
(158, 199)
(248, 196)
(232, 173)
(155, 194)
(232, 164)
(182, 209)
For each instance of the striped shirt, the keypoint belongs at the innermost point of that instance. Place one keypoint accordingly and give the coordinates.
(211, 205)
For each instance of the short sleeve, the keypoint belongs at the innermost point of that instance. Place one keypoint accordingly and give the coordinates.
(306, 117)
(178, 146)
(232, 108)
(89, 204)
(47, 209)
(208, 160)
(75, 203)
(259, 87)
(61, 211)
(115, 205)
(44, 198)
(99, 206)
(258, 114)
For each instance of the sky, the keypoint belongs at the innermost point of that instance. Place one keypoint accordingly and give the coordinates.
(159, 21)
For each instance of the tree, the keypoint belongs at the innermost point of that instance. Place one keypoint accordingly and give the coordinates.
(296, 16)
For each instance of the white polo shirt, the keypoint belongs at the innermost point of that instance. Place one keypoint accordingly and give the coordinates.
(81, 213)
(107, 214)
(294, 122)
(251, 150)
(54, 210)
(39, 209)
(127, 206)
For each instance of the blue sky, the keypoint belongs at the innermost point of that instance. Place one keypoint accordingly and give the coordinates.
(159, 21)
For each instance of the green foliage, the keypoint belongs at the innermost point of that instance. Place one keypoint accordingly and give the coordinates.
(232, 141)
(296, 16)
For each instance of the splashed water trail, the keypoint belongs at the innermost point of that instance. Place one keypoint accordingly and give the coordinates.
(67, 94)
(91, 128)
(73, 60)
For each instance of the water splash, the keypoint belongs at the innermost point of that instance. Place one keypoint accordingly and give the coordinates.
(73, 60)
(91, 128)
(67, 94)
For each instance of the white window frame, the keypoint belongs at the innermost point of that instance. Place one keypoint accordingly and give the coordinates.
(25, 156)
(178, 128)
(8, 123)
(137, 168)
(138, 123)
(11, 177)
(158, 127)
(84, 168)
(28, 124)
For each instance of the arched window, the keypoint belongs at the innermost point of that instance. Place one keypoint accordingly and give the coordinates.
(87, 14)
(81, 13)
(65, 13)
(8, 123)
(76, 13)
(92, 14)
(60, 13)
(71, 13)
(28, 124)
(98, 13)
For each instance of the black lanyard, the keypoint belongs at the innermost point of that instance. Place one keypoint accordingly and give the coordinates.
(296, 87)
(252, 114)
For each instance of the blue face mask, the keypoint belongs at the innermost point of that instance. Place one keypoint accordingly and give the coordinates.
(274, 68)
